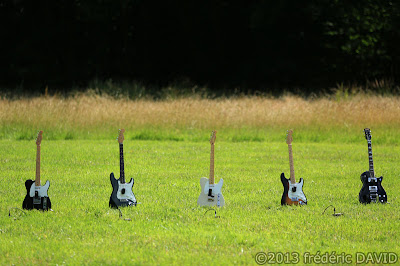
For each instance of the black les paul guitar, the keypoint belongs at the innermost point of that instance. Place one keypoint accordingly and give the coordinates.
(36, 195)
(372, 190)
(122, 194)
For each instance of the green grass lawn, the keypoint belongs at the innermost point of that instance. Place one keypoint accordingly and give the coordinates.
(168, 227)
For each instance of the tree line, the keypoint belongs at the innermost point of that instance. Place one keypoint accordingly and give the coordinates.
(252, 45)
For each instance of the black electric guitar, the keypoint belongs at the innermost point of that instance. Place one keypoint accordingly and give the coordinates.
(292, 192)
(36, 195)
(122, 194)
(372, 190)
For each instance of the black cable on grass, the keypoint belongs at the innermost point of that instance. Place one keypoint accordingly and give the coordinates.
(334, 211)
(120, 215)
(9, 211)
(215, 212)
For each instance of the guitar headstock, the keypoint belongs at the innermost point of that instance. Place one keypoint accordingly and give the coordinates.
(289, 137)
(121, 136)
(39, 137)
(213, 137)
(367, 132)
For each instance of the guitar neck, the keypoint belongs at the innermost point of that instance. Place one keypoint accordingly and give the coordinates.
(121, 163)
(292, 179)
(371, 162)
(37, 179)
(211, 180)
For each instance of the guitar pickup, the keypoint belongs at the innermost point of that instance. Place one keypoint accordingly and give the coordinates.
(210, 195)
(372, 179)
(373, 189)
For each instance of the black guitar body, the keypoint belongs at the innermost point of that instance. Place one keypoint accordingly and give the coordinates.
(127, 199)
(285, 183)
(371, 191)
(39, 203)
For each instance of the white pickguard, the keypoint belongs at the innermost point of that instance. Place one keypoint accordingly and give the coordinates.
(128, 191)
(299, 194)
(216, 188)
(218, 198)
(42, 190)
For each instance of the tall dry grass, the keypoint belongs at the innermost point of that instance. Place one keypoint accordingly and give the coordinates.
(84, 113)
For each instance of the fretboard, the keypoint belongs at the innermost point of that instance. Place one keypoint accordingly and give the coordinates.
(292, 179)
(211, 180)
(37, 179)
(371, 162)
(121, 163)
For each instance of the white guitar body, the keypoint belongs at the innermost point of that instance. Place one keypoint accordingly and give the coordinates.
(127, 188)
(298, 195)
(42, 190)
(217, 199)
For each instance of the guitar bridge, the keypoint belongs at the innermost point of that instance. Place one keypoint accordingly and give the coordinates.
(373, 197)
(36, 198)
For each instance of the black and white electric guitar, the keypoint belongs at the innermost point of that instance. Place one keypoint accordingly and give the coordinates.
(122, 194)
(292, 192)
(372, 190)
(36, 195)
(211, 194)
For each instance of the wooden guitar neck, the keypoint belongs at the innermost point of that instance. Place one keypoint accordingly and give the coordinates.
(371, 161)
(121, 155)
(211, 179)
(368, 136)
(121, 163)
(289, 140)
(292, 178)
(38, 142)
(37, 179)
(212, 142)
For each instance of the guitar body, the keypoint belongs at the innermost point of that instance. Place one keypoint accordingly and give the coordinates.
(292, 193)
(372, 190)
(216, 198)
(122, 194)
(36, 196)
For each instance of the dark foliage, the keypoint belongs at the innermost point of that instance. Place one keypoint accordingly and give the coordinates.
(253, 45)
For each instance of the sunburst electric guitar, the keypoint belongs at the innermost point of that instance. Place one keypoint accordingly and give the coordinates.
(292, 192)
(36, 195)
(211, 194)
(372, 190)
(122, 194)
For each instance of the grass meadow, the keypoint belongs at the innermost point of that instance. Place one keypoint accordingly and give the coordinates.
(167, 151)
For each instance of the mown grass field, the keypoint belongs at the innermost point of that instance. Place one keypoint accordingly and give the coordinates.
(167, 153)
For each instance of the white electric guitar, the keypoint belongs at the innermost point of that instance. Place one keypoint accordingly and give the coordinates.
(211, 194)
